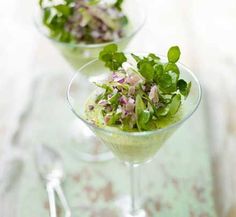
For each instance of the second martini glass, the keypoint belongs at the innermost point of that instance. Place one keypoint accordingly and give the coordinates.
(133, 148)
(79, 54)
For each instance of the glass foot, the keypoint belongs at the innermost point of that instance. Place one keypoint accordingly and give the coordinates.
(140, 213)
(124, 204)
(86, 145)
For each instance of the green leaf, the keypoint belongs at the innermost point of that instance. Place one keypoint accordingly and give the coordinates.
(64, 9)
(168, 82)
(165, 82)
(188, 89)
(114, 118)
(151, 108)
(139, 108)
(104, 86)
(175, 104)
(151, 125)
(146, 70)
(124, 20)
(46, 16)
(184, 87)
(173, 54)
(173, 71)
(114, 99)
(40, 3)
(86, 17)
(106, 57)
(139, 105)
(143, 115)
(99, 97)
(93, 2)
(69, 1)
(152, 56)
(119, 57)
(171, 67)
(111, 57)
(111, 48)
(162, 111)
(165, 98)
(136, 58)
(143, 118)
(65, 36)
(158, 71)
(118, 4)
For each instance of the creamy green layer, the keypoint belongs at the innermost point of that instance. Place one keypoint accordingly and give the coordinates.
(129, 147)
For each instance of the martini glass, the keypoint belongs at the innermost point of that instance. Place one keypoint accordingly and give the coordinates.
(77, 55)
(132, 148)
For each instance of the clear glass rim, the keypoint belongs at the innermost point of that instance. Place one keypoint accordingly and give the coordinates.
(42, 29)
(107, 130)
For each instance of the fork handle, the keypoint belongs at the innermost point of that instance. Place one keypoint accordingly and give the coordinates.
(51, 198)
(63, 200)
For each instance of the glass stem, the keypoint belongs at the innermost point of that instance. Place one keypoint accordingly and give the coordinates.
(135, 188)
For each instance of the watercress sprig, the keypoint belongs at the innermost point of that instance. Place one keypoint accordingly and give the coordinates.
(137, 96)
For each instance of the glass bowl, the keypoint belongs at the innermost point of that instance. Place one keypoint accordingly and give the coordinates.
(79, 54)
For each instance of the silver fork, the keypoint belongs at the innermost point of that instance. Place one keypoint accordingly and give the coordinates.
(50, 168)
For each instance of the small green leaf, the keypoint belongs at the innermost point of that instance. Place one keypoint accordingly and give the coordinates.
(114, 99)
(104, 86)
(162, 111)
(139, 108)
(165, 98)
(40, 3)
(106, 57)
(69, 1)
(175, 104)
(119, 57)
(124, 20)
(118, 4)
(151, 125)
(151, 108)
(144, 118)
(173, 54)
(183, 87)
(93, 2)
(111, 48)
(46, 16)
(139, 104)
(171, 67)
(153, 56)
(86, 18)
(99, 97)
(188, 89)
(165, 82)
(64, 9)
(172, 70)
(114, 118)
(158, 71)
(111, 57)
(146, 70)
(136, 58)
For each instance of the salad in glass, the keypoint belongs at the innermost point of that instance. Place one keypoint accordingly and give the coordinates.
(81, 28)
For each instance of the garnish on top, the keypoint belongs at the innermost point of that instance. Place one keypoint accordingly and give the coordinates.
(84, 21)
(140, 91)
